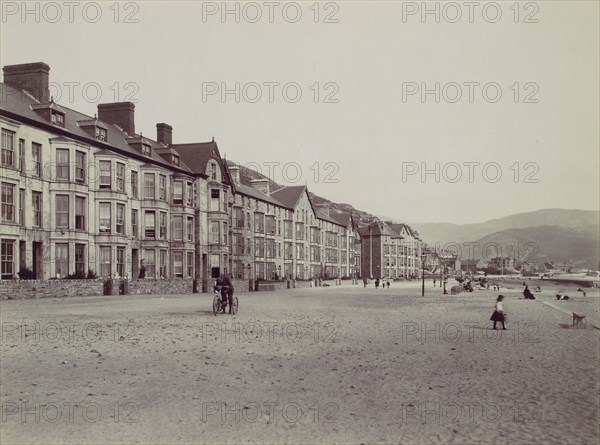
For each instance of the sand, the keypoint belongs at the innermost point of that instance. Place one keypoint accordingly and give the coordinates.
(333, 365)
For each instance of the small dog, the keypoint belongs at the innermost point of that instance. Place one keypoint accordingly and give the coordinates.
(578, 320)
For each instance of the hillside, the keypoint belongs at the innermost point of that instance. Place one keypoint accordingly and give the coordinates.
(585, 220)
(545, 244)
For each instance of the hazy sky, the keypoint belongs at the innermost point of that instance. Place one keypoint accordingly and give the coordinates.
(360, 71)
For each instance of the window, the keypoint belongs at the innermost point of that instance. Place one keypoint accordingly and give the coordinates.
(162, 264)
(270, 225)
(271, 248)
(214, 200)
(175, 160)
(105, 217)
(178, 264)
(79, 166)
(7, 264)
(36, 203)
(149, 186)
(215, 234)
(105, 175)
(224, 208)
(120, 219)
(120, 177)
(58, 119)
(61, 263)
(145, 150)
(134, 184)
(134, 223)
(79, 258)
(101, 134)
(22, 155)
(105, 261)
(287, 229)
(80, 213)
(150, 262)
(162, 187)
(238, 244)
(189, 194)
(8, 148)
(162, 225)
(149, 225)
(225, 232)
(121, 261)
(178, 228)
(190, 229)
(62, 164)
(259, 223)
(177, 192)
(190, 264)
(36, 154)
(259, 247)
(213, 171)
(62, 211)
(299, 251)
(22, 207)
(238, 218)
(299, 231)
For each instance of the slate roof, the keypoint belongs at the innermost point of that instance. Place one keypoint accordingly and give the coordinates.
(256, 194)
(17, 104)
(289, 196)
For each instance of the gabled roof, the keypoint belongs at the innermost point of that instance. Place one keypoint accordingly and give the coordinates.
(19, 103)
(251, 192)
(196, 155)
(289, 196)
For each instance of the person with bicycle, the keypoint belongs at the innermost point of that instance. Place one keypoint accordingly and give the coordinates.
(225, 286)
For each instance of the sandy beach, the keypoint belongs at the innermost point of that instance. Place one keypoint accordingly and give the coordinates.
(329, 365)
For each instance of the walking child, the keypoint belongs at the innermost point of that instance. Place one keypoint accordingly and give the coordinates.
(498, 315)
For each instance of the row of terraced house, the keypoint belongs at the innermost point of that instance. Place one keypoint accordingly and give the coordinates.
(82, 193)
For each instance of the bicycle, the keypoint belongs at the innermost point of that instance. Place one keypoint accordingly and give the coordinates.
(221, 300)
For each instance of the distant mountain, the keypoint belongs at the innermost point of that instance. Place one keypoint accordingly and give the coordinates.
(544, 244)
(443, 233)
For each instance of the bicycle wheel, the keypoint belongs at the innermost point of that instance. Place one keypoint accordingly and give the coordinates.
(216, 304)
(234, 305)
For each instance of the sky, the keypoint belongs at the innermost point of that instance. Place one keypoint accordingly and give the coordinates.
(437, 112)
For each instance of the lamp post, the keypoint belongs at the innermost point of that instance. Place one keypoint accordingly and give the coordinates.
(371, 252)
(423, 256)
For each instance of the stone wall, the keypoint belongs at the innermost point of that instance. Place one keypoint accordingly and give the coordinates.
(22, 289)
(150, 286)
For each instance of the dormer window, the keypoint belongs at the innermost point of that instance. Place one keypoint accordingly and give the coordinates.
(101, 134)
(175, 160)
(145, 150)
(58, 119)
(213, 171)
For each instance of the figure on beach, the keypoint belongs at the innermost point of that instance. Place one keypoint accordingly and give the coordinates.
(498, 314)
(527, 293)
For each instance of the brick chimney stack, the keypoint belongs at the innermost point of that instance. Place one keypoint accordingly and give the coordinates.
(31, 77)
(119, 113)
(164, 134)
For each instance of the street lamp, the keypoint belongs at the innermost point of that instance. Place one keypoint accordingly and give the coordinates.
(423, 258)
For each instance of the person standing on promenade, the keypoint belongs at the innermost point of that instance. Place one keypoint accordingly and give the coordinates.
(498, 315)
